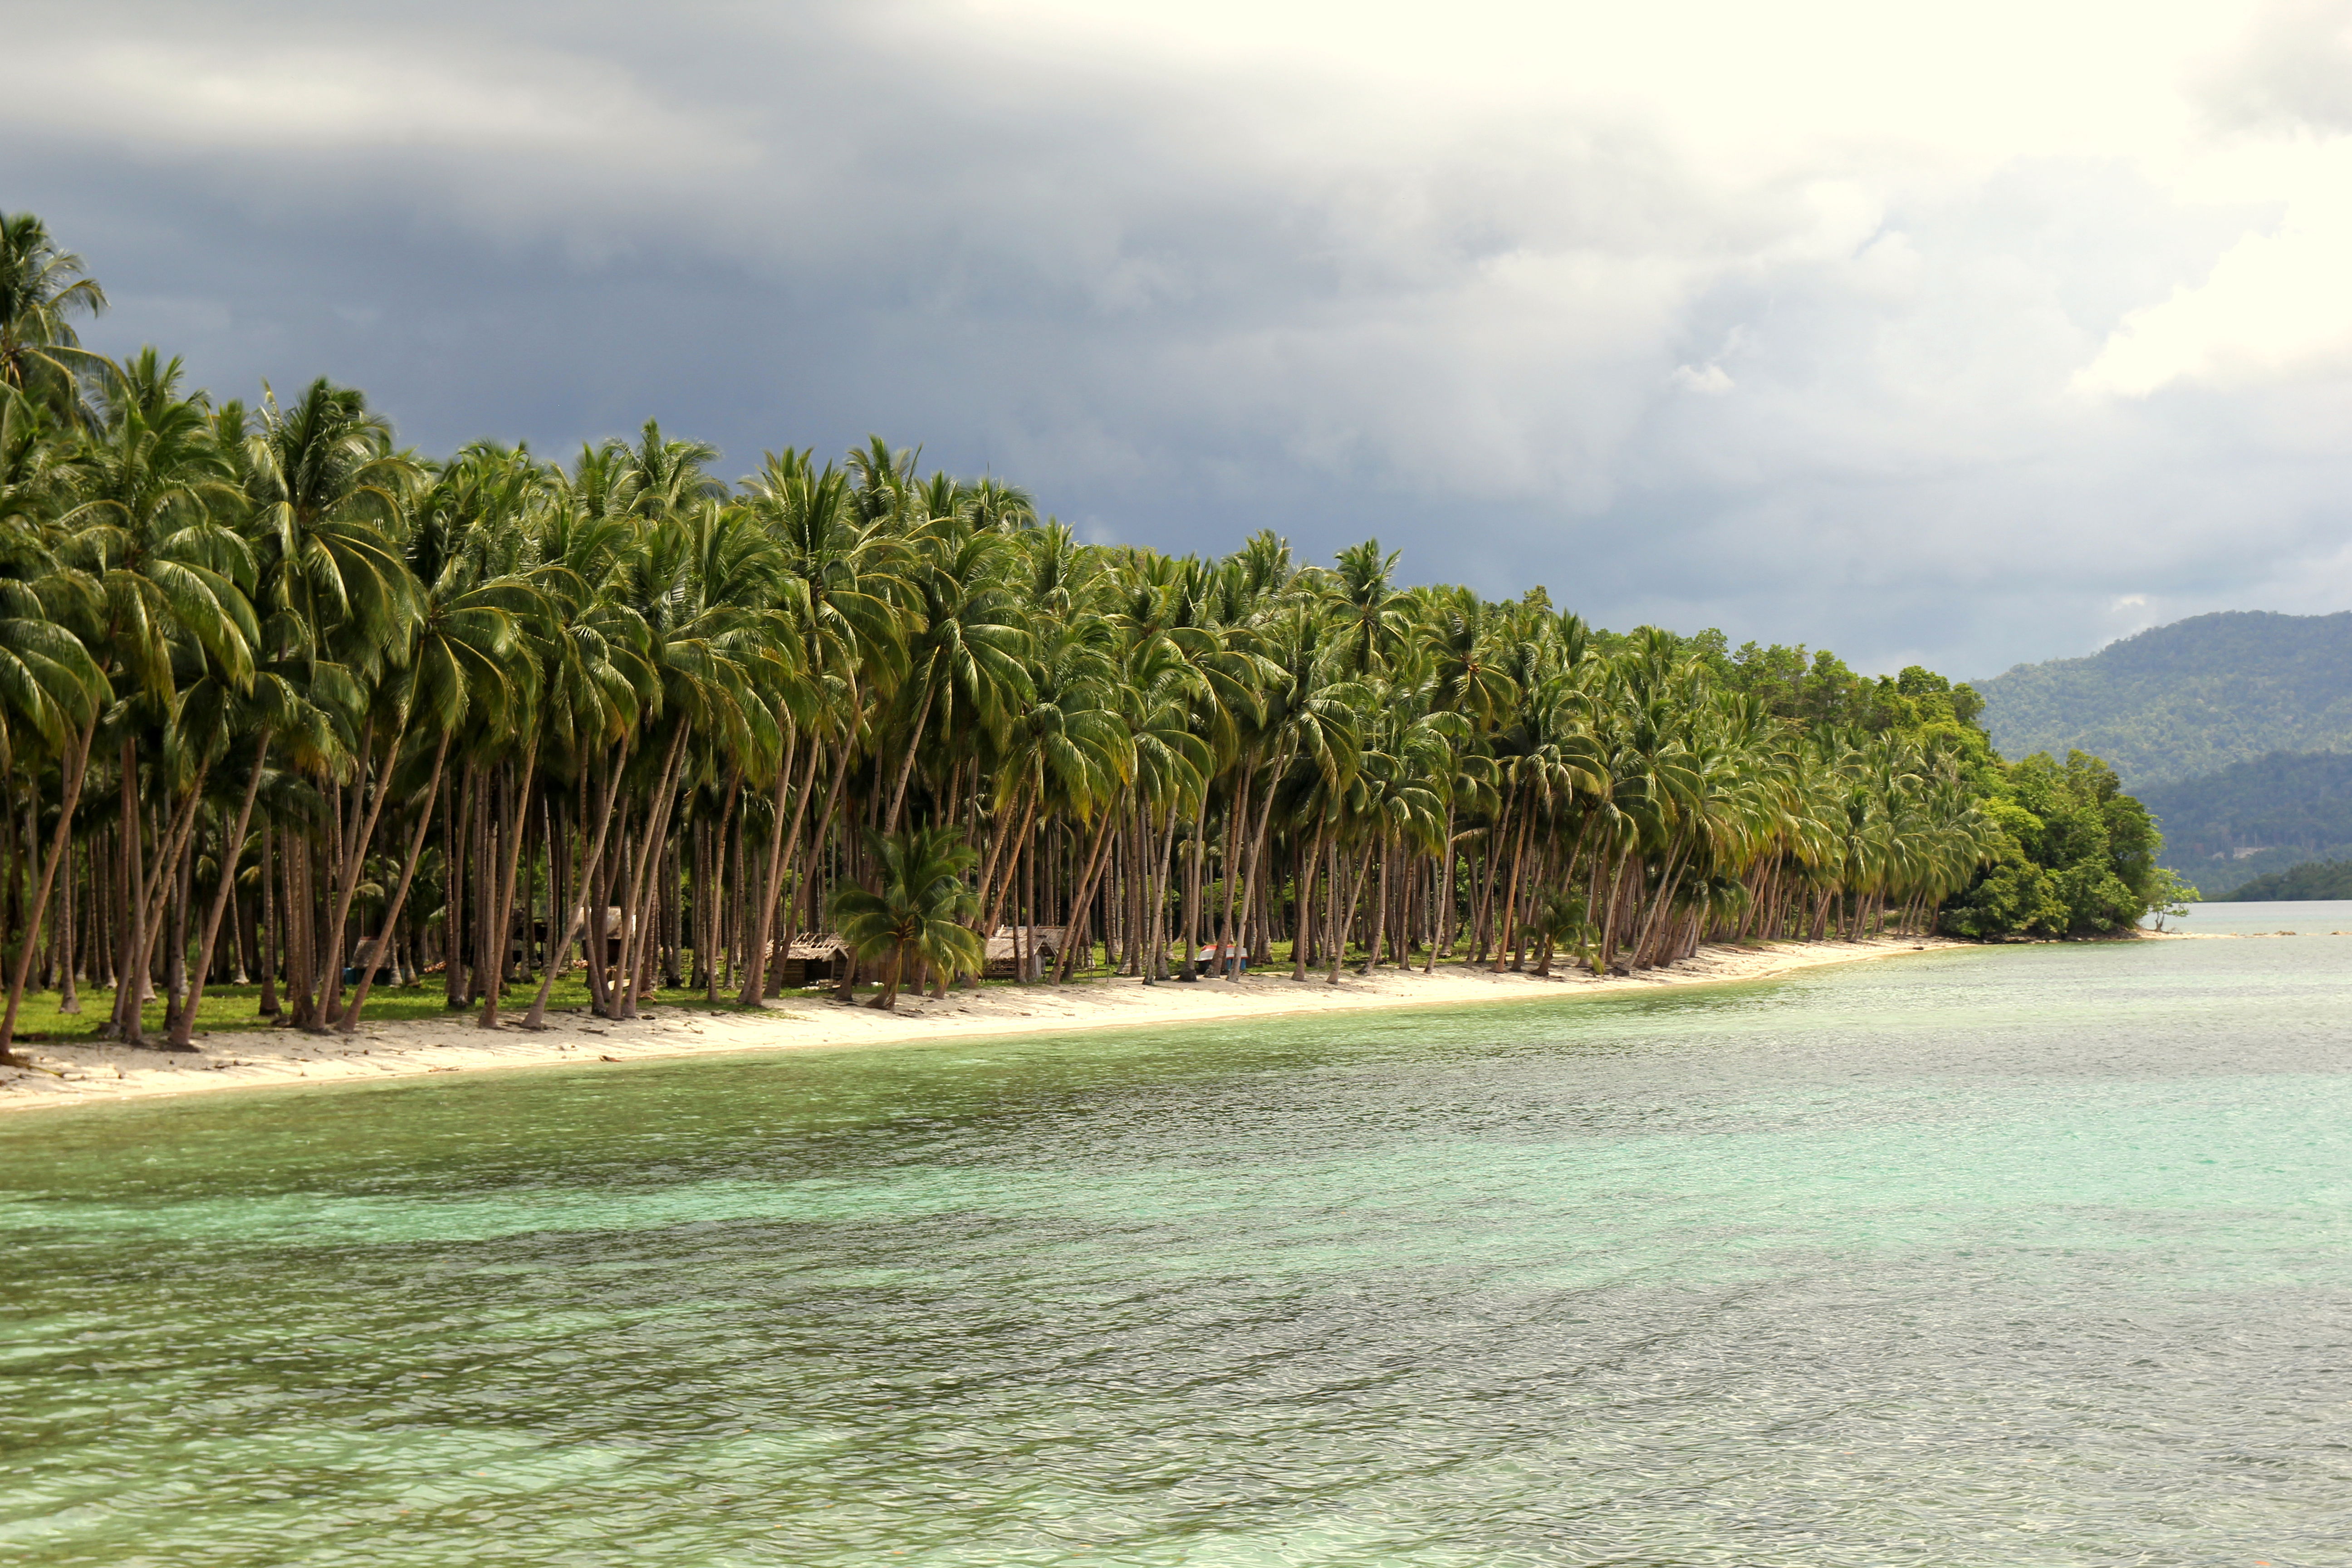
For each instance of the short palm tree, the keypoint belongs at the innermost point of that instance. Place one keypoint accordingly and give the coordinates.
(922, 909)
(1557, 924)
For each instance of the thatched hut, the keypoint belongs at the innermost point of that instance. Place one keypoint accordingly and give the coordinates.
(813, 960)
(1043, 944)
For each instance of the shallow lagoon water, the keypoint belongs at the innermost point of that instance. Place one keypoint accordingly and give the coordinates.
(2016, 1255)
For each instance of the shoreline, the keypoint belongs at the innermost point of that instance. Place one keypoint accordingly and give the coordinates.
(95, 1073)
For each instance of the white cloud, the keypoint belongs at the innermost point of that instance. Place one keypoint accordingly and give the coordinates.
(2277, 305)
(2291, 67)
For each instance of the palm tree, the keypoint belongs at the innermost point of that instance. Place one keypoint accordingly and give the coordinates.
(919, 910)
(172, 580)
(41, 290)
(836, 599)
(1370, 617)
(595, 681)
(705, 587)
(51, 690)
(329, 496)
(966, 647)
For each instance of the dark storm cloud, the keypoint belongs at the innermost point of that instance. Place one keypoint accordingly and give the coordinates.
(1182, 306)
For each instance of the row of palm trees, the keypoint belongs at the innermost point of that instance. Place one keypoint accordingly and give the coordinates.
(280, 701)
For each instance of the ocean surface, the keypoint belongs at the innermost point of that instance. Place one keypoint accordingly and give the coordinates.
(2015, 1256)
(2284, 917)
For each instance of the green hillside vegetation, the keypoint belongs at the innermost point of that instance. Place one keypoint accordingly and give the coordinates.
(2188, 699)
(2312, 880)
(2255, 818)
(283, 701)
(2295, 800)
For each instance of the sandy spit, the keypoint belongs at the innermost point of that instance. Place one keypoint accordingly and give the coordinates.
(87, 1073)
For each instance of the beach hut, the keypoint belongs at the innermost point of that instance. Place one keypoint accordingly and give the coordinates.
(813, 960)
(1043, 944)
(520, 950)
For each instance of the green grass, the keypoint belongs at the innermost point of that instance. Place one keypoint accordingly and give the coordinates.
(226, 1007)
(231, 1008)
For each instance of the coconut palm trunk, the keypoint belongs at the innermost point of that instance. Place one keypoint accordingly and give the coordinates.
(131, 972)
(370, 952)
(1506, 932)
(1191, 921)
(995, 907)
(76, 762)
(184, 1021)
(364, 813)
(515, 834)
(1381, 919)
(1343, 916)
(585, 886)
(906, 767)
(636, 912)
(1229, 960)
(1081, 900)
(1310, 863)
(1669, 880)
(714, 900)
(755, 969)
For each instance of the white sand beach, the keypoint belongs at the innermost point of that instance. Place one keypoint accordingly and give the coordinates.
(95, 1072)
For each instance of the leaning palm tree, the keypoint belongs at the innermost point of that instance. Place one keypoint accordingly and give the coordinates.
(921, 909)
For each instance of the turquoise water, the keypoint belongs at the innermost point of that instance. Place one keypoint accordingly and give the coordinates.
(2011, 1256)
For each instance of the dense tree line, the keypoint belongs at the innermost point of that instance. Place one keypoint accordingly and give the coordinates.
(2281, 800)
(2070, 854)
(2322, 879)
(281, 701)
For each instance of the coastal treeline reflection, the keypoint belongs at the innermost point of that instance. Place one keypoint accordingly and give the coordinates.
(1969, 1257)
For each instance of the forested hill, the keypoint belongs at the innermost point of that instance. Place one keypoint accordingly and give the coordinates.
(2189, 699)
(2229, 827)
(2284, 801)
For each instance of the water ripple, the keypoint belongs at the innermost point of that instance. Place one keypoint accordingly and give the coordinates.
(2030, 1257)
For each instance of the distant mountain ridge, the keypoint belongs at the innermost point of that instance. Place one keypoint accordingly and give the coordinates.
(2185, 700)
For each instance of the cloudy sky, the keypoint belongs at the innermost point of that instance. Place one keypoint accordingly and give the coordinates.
(1959, 334)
